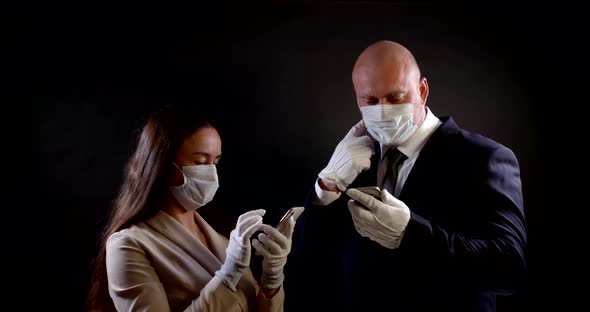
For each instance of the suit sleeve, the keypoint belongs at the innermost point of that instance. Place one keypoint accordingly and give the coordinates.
(320, 233)
(316, 257)
(135, 286)
(274, 304)
(493, 258)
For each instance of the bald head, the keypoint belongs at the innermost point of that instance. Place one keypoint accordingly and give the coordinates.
(386, 72)
(386, 56)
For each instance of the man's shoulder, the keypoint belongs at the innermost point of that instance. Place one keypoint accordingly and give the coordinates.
(469, 141)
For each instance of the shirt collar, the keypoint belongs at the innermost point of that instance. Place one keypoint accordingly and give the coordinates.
(412, 146)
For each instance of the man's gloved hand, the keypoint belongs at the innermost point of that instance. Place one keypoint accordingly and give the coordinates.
(382, 221)
(274, 245)
(237, 253)
(351, 156)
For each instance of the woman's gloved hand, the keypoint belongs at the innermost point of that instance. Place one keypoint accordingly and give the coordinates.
(237, 254)
(274, 245)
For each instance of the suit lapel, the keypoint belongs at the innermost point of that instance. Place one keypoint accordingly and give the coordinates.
(177, 234)
(428, 155)
(217, 241)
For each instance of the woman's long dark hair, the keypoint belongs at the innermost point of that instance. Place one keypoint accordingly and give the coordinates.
(144, 185)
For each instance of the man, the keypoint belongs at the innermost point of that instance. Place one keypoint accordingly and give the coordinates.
(446, 231)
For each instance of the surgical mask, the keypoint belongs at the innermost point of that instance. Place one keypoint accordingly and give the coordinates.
(389, 124)
(199, 187)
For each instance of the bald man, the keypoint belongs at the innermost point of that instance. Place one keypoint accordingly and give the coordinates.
(411, 213)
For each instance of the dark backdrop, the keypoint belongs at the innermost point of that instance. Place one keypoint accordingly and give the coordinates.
(276, 77)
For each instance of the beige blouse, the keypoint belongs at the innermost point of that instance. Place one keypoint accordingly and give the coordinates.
(158, 265)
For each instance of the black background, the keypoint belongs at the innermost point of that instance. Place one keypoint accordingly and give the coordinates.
(276, 77)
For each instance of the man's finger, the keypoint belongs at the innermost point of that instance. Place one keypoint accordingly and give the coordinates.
(364, 199)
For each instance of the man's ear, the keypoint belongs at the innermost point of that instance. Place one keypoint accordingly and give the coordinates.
(424, 90)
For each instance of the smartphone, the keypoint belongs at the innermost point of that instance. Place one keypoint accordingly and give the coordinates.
(371, 190)
(294, 211)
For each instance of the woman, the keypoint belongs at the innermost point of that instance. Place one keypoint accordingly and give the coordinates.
(158, 254)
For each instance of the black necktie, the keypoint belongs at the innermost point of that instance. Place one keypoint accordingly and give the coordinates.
(395, 159)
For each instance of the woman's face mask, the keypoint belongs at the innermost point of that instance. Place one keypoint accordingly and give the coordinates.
(389, 124)
(199, 187)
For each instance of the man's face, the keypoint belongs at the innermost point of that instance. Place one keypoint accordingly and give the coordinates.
(390, 85)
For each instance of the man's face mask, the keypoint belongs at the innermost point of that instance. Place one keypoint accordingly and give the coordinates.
(389, 124)
(199, 187)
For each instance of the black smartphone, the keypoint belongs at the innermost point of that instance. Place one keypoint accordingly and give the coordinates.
(371, 190)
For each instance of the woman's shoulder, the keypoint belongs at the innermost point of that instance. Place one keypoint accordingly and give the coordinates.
(127, 237)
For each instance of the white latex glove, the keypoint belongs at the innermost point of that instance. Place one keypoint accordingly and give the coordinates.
(382, 221)
(274, 245)
(237, 253)
(351, 156)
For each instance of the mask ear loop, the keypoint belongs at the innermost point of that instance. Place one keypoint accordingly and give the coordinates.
(175, 165)
(184, 178)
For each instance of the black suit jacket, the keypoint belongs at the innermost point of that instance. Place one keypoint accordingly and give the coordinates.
(463, 245)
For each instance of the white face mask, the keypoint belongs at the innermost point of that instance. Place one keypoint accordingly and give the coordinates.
(199, 187)
(389, 124)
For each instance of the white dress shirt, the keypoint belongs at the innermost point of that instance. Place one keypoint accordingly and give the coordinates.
(411, 148)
